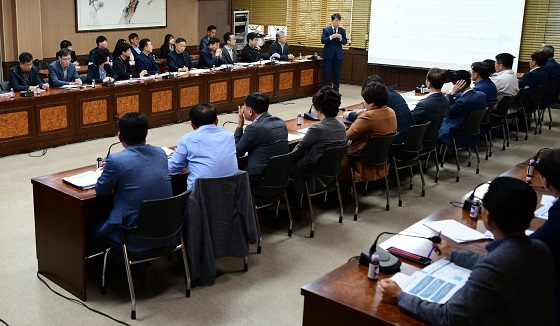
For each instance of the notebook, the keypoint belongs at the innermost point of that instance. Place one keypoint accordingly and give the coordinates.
(86, 180)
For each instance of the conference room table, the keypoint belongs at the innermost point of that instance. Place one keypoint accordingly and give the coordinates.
(346, 295)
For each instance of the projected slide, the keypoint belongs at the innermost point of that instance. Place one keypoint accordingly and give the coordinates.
(446, 34)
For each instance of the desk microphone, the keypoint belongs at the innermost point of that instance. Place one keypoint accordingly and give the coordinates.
(109, 151)
(533, 162)
(309, 115)
(314, 56)
(468, 202)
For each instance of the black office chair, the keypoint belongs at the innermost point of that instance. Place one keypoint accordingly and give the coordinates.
(471, 131)
(408, 153)
(550, 95)
(5, 86)
(158, 219)
(270, 190)
(485, 128)
(429, 143)
(535, 105)
(498, 119)
(517, 109)
(326, 173)
(375, 153)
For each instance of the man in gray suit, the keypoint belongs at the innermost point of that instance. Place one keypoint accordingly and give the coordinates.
(511, 285)
(229, 50)
(63, 72)
(436, 104)
(279, 49)
(267, 136)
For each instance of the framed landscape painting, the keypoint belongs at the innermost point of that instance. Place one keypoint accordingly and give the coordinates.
(95, 15)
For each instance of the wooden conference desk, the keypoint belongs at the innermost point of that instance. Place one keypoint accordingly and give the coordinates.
(345, 295)
(61, 116)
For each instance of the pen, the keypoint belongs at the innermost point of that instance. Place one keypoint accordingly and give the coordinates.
(432, 250)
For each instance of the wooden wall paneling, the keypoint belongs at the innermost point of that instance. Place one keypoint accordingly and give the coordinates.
(286, 82)
(265, 81)
(95, 114)
(218, 91)
(359, 69)
(18, 131)
(128, 99)
(346, 72)
(162, 102)
(308, 76)
(55, 116)
(242, 84)
(410, 78)
(192, 91)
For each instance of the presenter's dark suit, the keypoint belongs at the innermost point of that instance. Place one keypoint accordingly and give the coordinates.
(277, 48)
(122, 68)
(176, 60)
(534, 78)
(487, 87)
(21, 81)
(250, 54)
(549, 233)
(207, 59)
(434, 106)
(93, 73)
(227, 58)
(148, 63)
(332, 56)
(135, 174)
(264, 138)
(470, 101)
(493, 292)
(56, 74)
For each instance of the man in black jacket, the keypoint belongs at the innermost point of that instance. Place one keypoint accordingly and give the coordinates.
(121, 65)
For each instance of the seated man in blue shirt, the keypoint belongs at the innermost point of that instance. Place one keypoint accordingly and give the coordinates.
(146, 61)
(549, 232)
(24, 76)
(208, 151)
(511, 285)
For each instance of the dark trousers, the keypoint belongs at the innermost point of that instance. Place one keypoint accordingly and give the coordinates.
(335, 66)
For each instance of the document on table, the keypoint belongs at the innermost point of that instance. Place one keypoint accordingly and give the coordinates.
(303, 131)
(547, 201)
(292, 137)
(456, 231)
(437, 282)
(70, 86)
(86, 180)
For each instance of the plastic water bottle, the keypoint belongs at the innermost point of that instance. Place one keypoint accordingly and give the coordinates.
(12, 94)
(373, 272)
(530, 171)
(300, 56)
(99, 160)
(299, 119)
(130, 80)
(213, 68)
(93, 83)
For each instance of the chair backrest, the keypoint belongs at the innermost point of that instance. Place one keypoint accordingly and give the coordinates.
(519, 98)
(415, 137)
(83, 77)
(503, 106)
(5, 86)
(489, 108)
(538, 95)
(161, 218)
(376, 151)
(551, 92)
(472, 124)
(431, 134)
(330, 161)
(276, 172)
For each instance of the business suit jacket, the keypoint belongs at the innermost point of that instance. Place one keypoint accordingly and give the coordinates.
(176, 60)
(227, 58)
(148, 63)
(203, 43)
(553, 69)
(374, 122)
(487, 87)
(328, 133)
(532, 79)
(122, 68)
(73, 57)
(133, 175)
(263, 139)
(434, 106)
(18, 79)
(207, 59)
(405, 119)
(549, 233)
(93, 73)
(91, 58)
(277, 48)
(249, 54)
(498, 291)
(333, 48)
(470, 101)
(56, 74)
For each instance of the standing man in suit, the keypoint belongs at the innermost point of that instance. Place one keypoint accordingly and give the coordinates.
(469, 101)
(24, 76)
(266, 137)
(205, 41)
(436, 105)
(137, 173)
(63, 72)
(229, 50)
(279, 49)
(333, 37)
(179, 59)
(211, 55)
(551, 66)
(146, 61)
(499, 278)
(121, 66)
(505, 78)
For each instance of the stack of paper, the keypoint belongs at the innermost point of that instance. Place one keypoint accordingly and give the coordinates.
(455, 231)
(546, 202)
(86, 180)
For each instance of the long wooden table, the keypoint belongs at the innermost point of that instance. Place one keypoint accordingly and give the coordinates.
(61, 116)
(346, 295)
